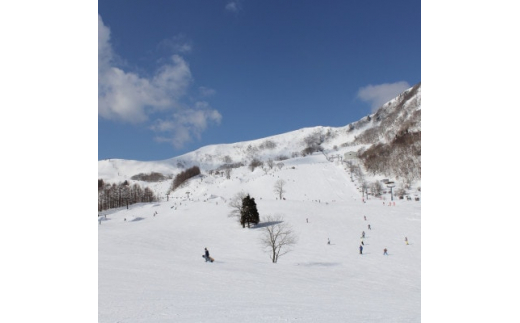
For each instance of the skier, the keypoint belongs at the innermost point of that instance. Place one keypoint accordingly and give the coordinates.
(406, 240)
(369, 228)
(365, 217)
(363, 234)
(328, 241)
(362, 242)
(385, 252)
(360, 249)
(206, 254)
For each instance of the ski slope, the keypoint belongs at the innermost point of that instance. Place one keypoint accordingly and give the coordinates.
(151, 267)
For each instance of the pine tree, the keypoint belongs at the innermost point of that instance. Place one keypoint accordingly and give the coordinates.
(254, 215)
(249, 213)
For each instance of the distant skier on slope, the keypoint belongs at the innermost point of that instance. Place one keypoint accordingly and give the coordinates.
(385, 252)
(206, 255)
(363, 234)
(360, 249)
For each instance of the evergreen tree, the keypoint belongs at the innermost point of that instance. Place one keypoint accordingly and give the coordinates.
(249, 213)
(254, 215)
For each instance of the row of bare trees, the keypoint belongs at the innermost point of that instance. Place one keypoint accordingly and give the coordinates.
(401, 157)
(184, 176)
(122, 194)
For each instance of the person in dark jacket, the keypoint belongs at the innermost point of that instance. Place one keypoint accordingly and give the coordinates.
(360, 249)
(385, 252)
(206, 254)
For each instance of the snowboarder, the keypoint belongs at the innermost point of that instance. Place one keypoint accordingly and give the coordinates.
(206, 254)
(385, 252)
(360, 249)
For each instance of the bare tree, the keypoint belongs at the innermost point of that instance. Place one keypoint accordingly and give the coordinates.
(278, 236)
(270, 163)
(401, 190)
(255, 163)
(251, 152)
(364, 189)
(278, 188)
(227, 171)
(227, 159)
(236, 205)
(376, 188)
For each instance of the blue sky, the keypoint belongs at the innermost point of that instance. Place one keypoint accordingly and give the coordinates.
(174, 76)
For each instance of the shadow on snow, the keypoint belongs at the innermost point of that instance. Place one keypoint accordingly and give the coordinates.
(265, 224)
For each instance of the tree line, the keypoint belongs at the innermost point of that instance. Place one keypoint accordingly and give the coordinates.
(111, 195)
(184, 176)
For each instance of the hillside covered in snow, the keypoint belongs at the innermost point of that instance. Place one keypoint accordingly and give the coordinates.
(387, 143)
(150, 267)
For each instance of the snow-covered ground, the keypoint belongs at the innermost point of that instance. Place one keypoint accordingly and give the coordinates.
(151, 267)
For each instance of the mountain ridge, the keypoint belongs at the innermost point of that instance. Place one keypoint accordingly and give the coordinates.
(394, 119)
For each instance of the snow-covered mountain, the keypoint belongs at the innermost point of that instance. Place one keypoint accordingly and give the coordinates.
(400, 115)
(150, 267)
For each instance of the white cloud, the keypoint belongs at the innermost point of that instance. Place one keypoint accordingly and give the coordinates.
(377, 95)
(104, 48)
(186, 124)
(127, 97)
(205, 91)
(177, 44)
(233, 6)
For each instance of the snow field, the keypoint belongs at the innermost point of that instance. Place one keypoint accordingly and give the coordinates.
(152, 270)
